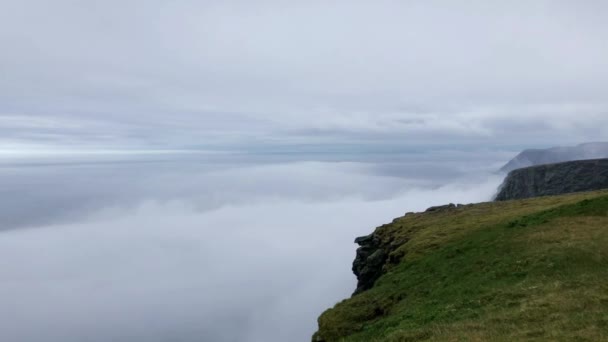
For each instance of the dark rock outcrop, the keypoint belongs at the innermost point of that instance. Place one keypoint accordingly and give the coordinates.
(368, 262)
(555, 179)
(377, 251)
(552, 155)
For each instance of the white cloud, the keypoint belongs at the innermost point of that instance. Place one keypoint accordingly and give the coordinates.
(260, 267)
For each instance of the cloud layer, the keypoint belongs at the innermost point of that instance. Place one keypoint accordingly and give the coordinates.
(175, 251)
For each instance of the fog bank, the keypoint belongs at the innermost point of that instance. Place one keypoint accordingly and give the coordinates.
(214, 253)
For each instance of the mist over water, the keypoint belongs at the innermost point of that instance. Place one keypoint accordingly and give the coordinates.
(193, 247)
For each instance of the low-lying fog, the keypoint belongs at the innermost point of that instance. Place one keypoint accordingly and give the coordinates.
(197, 247)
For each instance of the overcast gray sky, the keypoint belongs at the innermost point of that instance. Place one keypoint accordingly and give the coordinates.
(174, 74)
(169, 247)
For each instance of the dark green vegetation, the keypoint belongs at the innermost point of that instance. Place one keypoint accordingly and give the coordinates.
(534, 269)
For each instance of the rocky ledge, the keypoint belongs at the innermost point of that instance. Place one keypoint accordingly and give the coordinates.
(370, 258)
(378, 251)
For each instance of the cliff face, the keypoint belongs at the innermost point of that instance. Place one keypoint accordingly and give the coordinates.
(379, 251)
(371, 256)
(555, 179)
(552, 155)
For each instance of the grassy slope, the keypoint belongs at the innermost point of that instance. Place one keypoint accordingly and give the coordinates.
(533, 269)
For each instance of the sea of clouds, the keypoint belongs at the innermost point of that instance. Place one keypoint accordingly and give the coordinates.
(198, 247)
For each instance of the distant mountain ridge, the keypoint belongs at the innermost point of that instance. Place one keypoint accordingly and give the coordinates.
(533, 157)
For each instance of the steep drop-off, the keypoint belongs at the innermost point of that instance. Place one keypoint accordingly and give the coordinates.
(555, 179)
(532, 269)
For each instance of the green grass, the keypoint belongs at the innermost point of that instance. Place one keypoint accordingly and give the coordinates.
(534, 269)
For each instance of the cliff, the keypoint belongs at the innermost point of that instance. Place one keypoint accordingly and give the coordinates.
(378, 251)
(531, 269)
(533, 157)
(555, 179)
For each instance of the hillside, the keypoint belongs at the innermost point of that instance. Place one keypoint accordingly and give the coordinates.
(555, 179)
(534, 157)
(532, 269)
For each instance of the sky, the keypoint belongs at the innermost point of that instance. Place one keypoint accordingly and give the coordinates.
(198, 170)
(217, 75)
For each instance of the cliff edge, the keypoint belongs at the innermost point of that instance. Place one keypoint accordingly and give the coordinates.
(555, 179)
